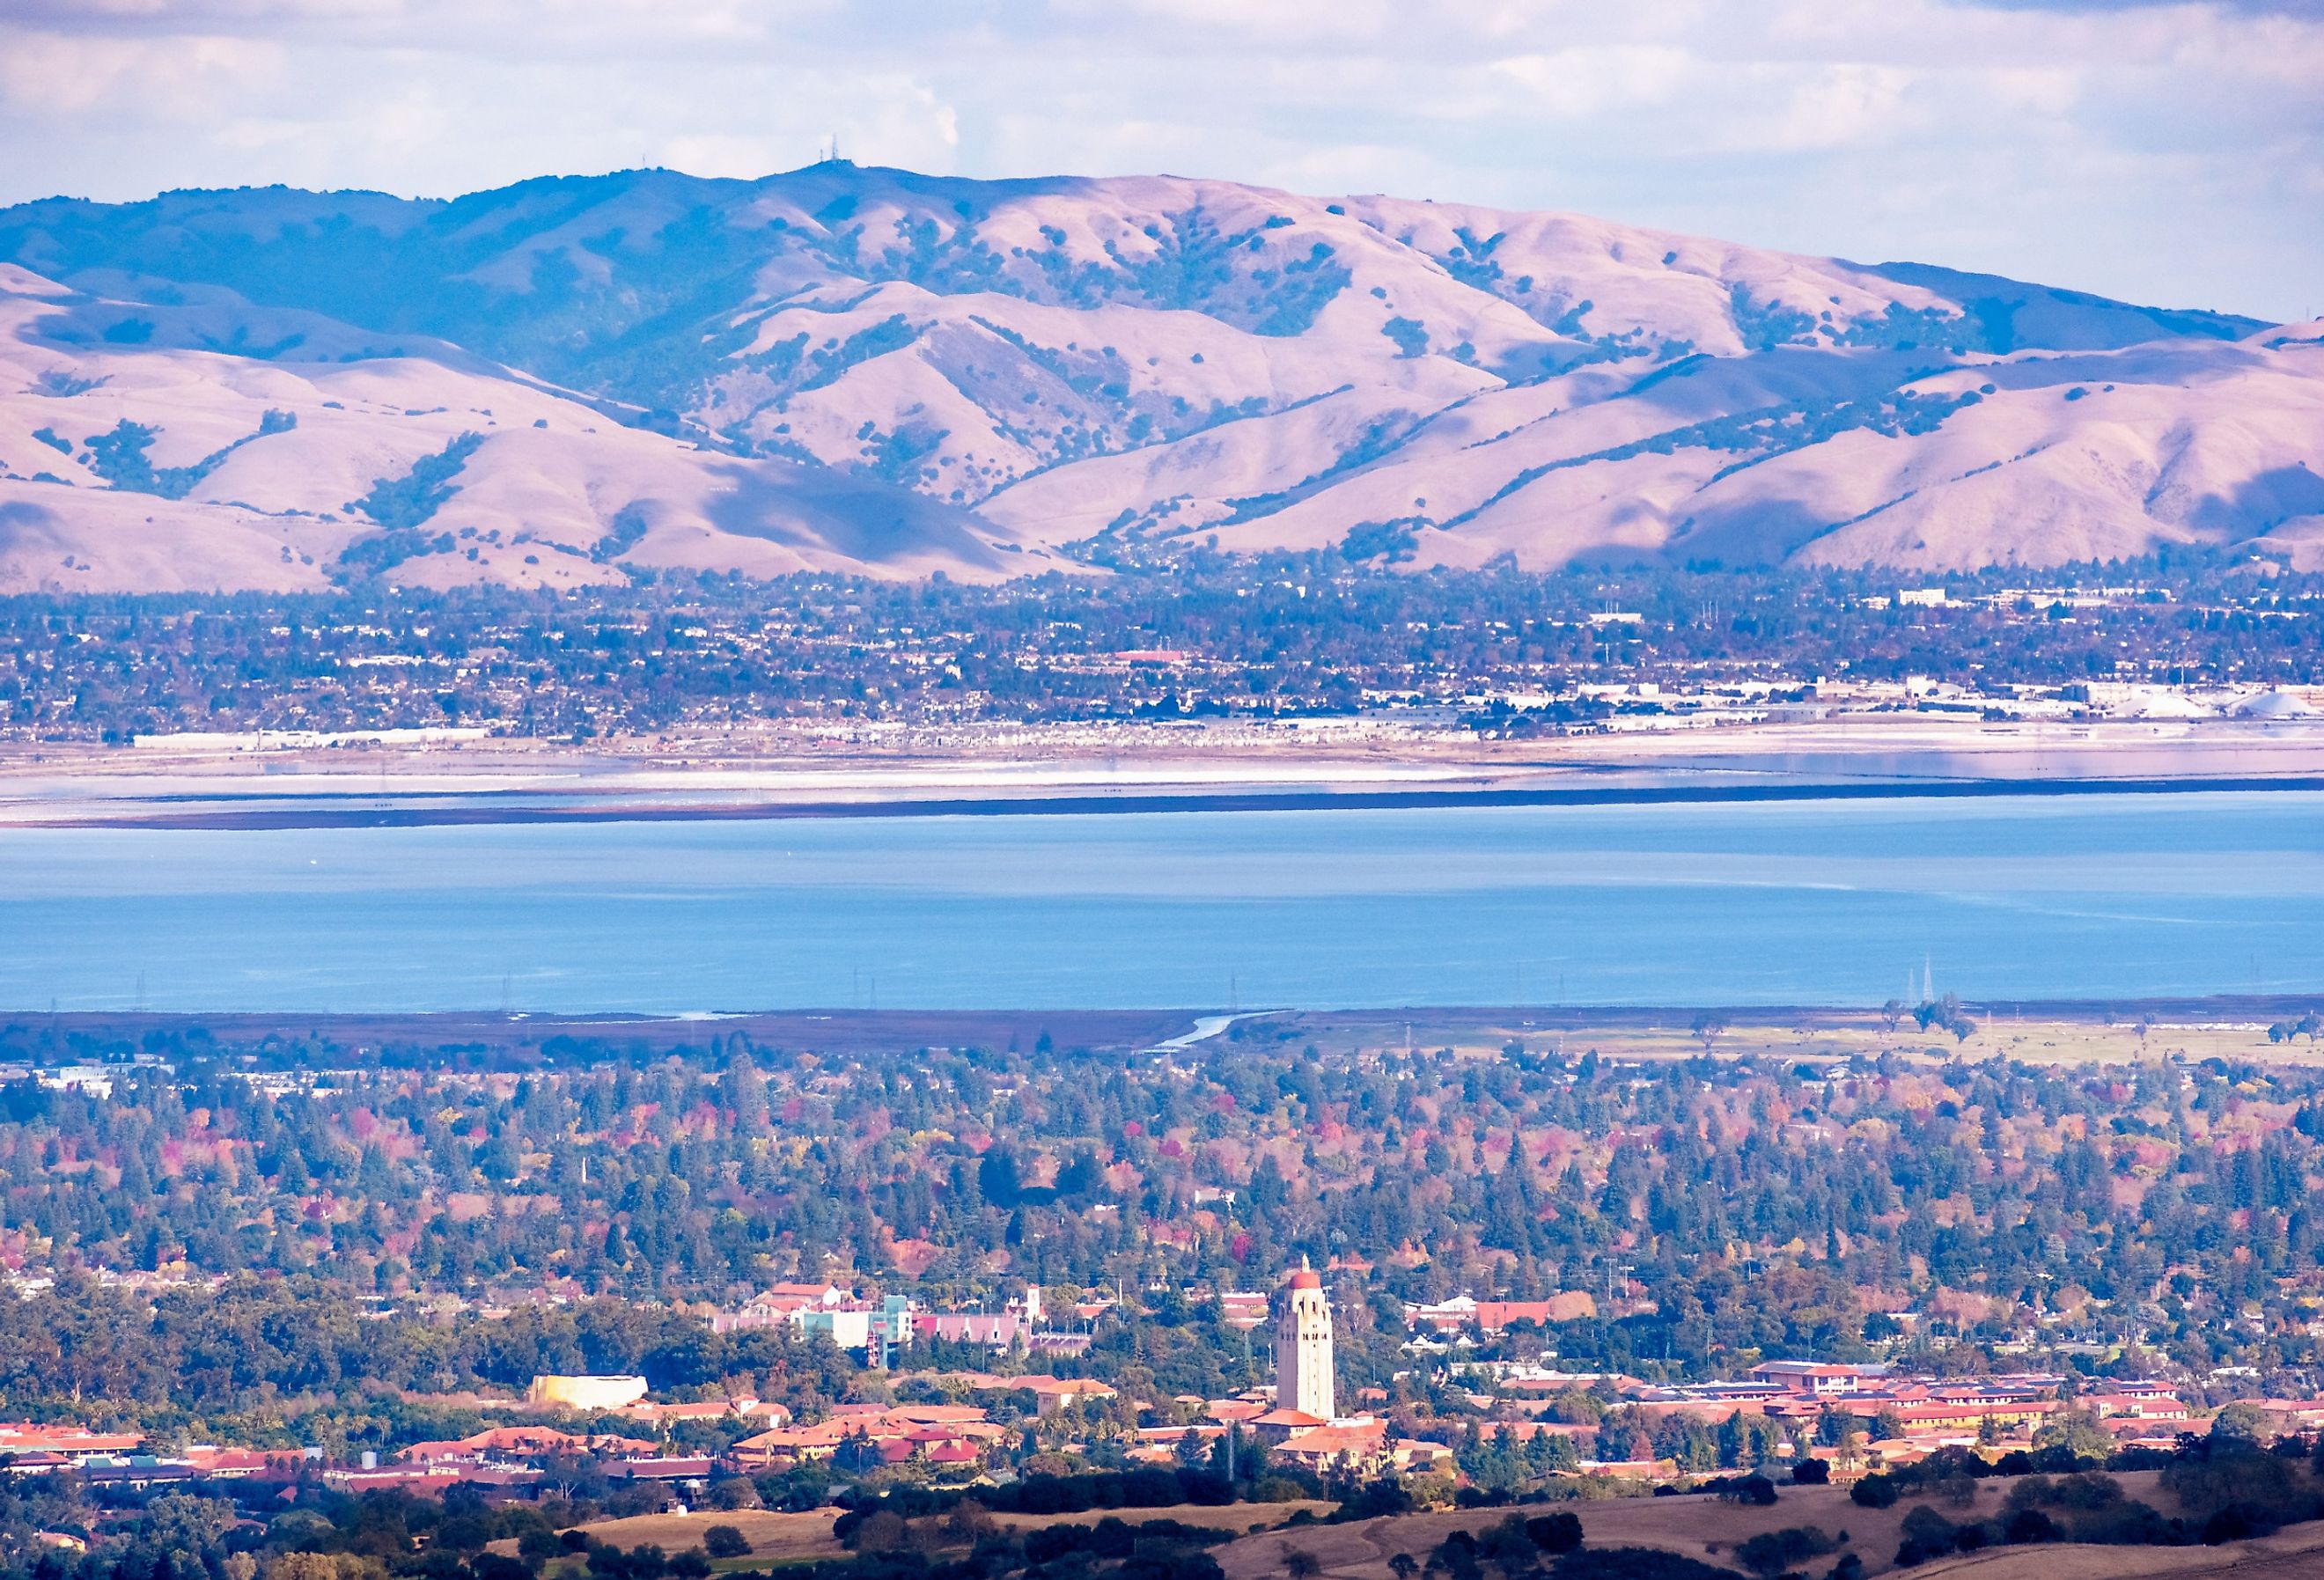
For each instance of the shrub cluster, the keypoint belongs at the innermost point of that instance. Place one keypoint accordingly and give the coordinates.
(1152, 1487)
(2225, 1490)
(1515, 1545)
(886, 1545)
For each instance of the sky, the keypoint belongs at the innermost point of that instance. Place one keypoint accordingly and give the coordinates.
(2169, 153)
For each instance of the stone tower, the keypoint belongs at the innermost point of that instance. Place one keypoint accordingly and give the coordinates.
(1303, 1347)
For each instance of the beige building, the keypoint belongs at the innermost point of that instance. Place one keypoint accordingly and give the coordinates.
(587, 1393)
(1303, 1348)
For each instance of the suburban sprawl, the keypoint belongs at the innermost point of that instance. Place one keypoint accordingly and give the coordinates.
(545, 1300)
(1230, 643)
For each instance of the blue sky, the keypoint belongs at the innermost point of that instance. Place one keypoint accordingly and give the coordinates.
(2167, 152)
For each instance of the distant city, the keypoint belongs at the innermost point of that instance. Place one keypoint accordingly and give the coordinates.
(1533, 1421)
(1236, 646)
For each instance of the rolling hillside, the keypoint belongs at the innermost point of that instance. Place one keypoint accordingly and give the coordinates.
(844, 367)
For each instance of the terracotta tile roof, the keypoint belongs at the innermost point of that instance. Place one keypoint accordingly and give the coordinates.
(1367, 1437)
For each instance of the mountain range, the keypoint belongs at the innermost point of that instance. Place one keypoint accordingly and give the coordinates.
(846, 368)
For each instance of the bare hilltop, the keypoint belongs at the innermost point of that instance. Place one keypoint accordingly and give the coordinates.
(843, 368)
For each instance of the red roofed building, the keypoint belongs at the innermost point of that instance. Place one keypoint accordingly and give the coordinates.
(1278, 1425)
(1816, 1377)
(939, 1415)
(1171, 1437)
(1411, 1453)
(898, 1432)
(717, 1410)
(1357, 1446)
(243, 1463)
(2151, 1407)
(36, 1462)
(1493, 1316)
(69, 1443)
(426, 1484)
(791, 1444)
(1052, 1394)
(510, 1445)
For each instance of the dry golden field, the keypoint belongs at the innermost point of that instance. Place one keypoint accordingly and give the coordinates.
(1703, 1527)
(2003, 1032)
(781, 1538)
(774, 1537)
(1241, 1518)
(1698, 1527)
(2297, 1554)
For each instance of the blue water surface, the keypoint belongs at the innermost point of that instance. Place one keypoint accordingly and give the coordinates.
(1814, 902)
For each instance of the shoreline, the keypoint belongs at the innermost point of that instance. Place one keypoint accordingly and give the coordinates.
(522, 807)
(1825, 1043)
(1171, 1027)
(1027, 771)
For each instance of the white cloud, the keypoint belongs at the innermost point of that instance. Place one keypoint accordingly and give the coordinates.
(163, 79)
(2168, 152)
(1840, 107)
(2045, 90)
(1592, 80)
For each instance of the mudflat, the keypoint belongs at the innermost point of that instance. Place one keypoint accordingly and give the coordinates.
(260, 782)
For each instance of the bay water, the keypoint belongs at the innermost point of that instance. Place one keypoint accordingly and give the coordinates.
(1837, 902)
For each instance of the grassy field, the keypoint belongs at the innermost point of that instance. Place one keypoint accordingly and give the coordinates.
(1239, 1518)
(774, 1537)
(2035, 1034)
(2297, 1554)
(1698, 1527)
(1705, 1529)
(779, 1538)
